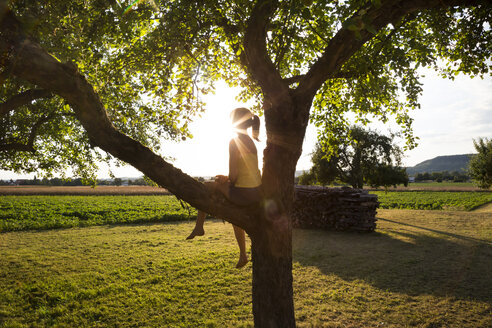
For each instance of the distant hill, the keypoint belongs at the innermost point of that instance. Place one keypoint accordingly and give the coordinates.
(442, 163)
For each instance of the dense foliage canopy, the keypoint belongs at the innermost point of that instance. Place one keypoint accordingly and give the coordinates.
(150, 62)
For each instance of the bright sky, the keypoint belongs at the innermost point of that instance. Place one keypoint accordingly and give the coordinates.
(452, 114)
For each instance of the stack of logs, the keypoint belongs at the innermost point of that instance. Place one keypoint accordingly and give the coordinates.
(339, 209)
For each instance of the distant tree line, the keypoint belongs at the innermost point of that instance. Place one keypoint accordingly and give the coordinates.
(455, 176)
(46, 182)
(74, 182)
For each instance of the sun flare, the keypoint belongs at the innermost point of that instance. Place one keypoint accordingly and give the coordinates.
(211, 135)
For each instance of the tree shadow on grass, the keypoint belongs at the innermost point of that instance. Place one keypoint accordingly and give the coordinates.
(404, 258)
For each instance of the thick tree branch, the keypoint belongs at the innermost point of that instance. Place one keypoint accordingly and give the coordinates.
(35, 65)
(23, 98)
(345, 43)
(257, 59)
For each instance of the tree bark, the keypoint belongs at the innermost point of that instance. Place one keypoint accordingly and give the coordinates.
(273, 304)
(271, 245)
(285, 121)
(271, 241)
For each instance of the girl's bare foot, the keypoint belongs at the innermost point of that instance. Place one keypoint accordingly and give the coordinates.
(242, 262)
(196, 232)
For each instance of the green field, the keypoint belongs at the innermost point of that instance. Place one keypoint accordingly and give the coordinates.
(419, 269)
(444, 184)
(46, 212)
(433, 200)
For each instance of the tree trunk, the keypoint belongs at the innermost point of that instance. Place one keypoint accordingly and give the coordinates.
(357, 178)
(271, 241)
(273, 304)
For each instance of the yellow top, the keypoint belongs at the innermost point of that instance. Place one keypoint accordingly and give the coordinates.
(248, 174)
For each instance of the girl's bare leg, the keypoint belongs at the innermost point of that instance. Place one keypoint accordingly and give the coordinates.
(241, 242)
(238, 232)
(198, 230)
(200, 217)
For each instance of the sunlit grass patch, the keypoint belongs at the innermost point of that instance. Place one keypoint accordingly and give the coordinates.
(423, 269)
(123, 276)
(433, 200)
(48, 212)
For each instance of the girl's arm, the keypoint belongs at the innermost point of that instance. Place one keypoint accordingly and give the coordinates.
(233, 161)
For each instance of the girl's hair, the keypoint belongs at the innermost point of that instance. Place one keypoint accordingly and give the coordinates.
(243, 118)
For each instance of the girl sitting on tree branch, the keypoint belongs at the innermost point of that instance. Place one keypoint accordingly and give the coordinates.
(242, 186)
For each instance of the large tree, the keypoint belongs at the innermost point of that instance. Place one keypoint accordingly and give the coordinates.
(358, 156)
(86, 79)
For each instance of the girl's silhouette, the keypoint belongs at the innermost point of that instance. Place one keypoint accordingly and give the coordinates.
(242, 186)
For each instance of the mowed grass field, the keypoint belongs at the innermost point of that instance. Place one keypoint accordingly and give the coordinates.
(47, 212)
(435, 186)
(27, 211)
(419, 269)
(433, 200)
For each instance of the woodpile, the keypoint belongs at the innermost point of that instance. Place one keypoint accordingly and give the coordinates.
(339, 209)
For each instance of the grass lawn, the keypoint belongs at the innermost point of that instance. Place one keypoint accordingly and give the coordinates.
(63, 211)
(36, 212)
(445, 184)
(433, 200)
(434, 186)
(419, 269)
